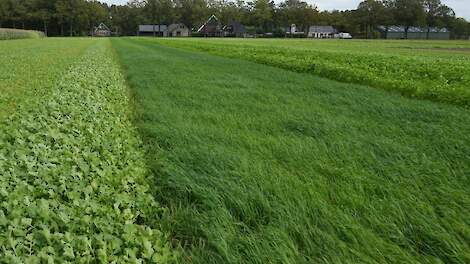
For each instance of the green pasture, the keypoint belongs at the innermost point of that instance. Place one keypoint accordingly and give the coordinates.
(144, 150)
(258, 164)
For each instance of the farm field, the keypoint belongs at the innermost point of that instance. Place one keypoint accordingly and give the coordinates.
(435, 70)
(23, 71)
(259, 164)
(9, 34)
(141, 150)
(72, 185)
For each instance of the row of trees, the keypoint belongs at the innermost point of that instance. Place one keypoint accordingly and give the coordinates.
(72, 16)
(408, 13)
(77, 17)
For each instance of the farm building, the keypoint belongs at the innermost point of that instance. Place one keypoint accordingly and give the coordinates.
(178, 30)
(398, 32)
(321, 32)
(153, 30)
(212, 28)
(293, 31)
(101, 31)
(234, 29)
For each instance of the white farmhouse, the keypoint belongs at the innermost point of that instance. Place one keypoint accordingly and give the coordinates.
(178, 30)
(321, 32)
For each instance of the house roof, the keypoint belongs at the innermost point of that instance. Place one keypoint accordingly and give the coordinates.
(322, 29)
(149, 28)
(212, 20)
(176, 26)
(401, 29)
(102, 26)
(235, 27)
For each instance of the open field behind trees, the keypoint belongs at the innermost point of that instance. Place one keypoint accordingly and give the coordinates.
(258, 164)
(8, 34)
(435, 70)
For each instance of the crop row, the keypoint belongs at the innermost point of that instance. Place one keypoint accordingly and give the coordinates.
(444, 79)
(73, 185)
(7, 33)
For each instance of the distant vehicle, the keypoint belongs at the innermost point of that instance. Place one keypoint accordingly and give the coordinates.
(343, 35)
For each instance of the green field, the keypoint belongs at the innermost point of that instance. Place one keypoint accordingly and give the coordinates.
(141, 150)
(9, 34)
(30, 67)
(435, 70)
(73, 178)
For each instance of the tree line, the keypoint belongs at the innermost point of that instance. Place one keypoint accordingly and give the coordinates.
(78, 17)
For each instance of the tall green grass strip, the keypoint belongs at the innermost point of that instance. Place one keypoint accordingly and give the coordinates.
(258, 164)
(72, 185)
(8, 34)
(441, 77)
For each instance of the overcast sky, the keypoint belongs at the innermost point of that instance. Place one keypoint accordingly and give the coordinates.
(461, 7)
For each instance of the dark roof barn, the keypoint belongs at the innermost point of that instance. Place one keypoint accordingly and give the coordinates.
(235, 29)
(212, 28)
(157, 30)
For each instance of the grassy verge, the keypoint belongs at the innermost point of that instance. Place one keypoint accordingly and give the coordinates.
(73, 185)
(438, 71)
(9, 33)
(261, 165)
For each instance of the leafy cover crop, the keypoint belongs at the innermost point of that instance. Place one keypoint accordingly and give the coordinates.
(8, 33)
(72, 185)
(436, 76)
(30, 68)
(258, 164)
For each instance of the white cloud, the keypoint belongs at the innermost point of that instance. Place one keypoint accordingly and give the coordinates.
(461, 7)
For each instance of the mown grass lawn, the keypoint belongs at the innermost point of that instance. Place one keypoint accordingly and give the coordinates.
(258, 164)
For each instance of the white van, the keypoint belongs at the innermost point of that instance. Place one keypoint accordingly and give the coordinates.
(343, 35)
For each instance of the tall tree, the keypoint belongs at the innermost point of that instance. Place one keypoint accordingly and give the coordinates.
(158, 12)
(19, 12)
(408, 13)
(43, 10)
(229, 11)
(152, 12)
(460, 28)
(371, 13)
(437, 14)
(192, 12)
(298, 12)
(4, 12)
(262, 14)
(95, 13)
